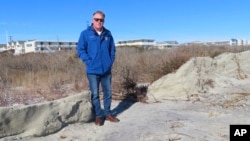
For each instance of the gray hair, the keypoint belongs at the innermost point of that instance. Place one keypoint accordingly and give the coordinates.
(99, 12)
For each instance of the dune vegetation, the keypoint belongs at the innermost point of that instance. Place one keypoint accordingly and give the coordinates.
(35, 77)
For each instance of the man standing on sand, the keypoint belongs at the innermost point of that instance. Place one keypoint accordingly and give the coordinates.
(96, 48)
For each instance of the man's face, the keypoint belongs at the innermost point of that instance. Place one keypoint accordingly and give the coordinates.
(98, 21)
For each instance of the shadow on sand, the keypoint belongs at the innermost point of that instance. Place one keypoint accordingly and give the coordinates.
(122, 106)
(131, 98)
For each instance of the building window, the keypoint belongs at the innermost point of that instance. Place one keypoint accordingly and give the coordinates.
(28, 45)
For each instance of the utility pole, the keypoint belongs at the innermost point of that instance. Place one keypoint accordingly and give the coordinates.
(10, 41)
(7, 39)
(10, 38)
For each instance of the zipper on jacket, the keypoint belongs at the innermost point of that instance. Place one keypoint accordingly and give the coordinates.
(100, 45)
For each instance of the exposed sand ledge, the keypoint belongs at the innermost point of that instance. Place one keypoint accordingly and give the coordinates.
(45, 118)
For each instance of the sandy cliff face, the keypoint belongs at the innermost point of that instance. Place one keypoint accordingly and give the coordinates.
(45, 118)
(228, 73)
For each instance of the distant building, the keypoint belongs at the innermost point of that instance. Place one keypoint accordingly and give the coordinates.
(150, 43)
(22, 47)
(48, 46)
(166, 44)
(2, 47)
(145, 43)
(231, 42)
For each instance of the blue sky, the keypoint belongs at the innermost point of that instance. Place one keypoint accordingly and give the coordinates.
(162, 20)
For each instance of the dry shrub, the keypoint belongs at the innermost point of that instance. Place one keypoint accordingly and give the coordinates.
(45, 74)
(55, 75)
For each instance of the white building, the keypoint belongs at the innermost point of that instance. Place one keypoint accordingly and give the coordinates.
(166, 44)
(145, 43)
(22, 47)
(48, 46)
(231, 42)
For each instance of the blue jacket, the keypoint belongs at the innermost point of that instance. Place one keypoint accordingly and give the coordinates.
(96, 51)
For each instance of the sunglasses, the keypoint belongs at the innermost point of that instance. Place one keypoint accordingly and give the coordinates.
(96, 19)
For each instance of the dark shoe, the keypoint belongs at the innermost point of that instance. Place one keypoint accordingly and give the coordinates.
(99, 121)
(112, 118)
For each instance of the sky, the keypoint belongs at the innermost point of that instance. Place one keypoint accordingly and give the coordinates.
(161, 20)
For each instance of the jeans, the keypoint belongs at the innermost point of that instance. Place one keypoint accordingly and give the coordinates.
(94, 82)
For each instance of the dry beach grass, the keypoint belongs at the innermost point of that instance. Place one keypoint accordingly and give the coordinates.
(35, 77)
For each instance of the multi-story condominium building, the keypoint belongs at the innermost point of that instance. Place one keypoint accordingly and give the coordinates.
(146, 43)
(166, 44)
(231, 42)
(48, 46)
(22, 47)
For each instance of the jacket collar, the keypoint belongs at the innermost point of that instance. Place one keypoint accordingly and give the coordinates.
(104, 30)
